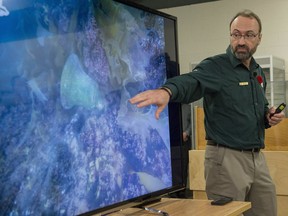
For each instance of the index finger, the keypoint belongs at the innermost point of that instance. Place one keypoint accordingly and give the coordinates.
(137, 98)
(142, 99)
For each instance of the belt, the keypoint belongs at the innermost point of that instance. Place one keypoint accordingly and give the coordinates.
(213, 143)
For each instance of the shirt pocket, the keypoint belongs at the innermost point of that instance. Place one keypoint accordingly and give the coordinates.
(238, 94)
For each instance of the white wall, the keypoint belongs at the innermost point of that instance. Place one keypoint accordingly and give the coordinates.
(203, 29)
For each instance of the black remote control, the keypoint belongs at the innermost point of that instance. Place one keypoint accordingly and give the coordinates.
(279, 109)
(221, 201)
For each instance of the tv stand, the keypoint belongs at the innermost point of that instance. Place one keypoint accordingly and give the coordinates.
(148, 203)
(188, 207)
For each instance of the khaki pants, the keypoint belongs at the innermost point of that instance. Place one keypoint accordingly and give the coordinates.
(243, 176)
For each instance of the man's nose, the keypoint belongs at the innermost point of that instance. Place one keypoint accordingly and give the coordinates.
(241, 41)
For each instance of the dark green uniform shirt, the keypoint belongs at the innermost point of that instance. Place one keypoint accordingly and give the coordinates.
(234, 100)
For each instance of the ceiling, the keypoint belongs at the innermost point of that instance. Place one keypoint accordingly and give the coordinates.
(161, 4)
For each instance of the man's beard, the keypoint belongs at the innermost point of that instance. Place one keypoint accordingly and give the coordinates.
(243, 55)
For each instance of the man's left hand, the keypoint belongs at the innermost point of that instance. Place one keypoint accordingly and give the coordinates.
(276, 118)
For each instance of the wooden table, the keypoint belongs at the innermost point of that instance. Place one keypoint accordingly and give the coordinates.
(188, 207)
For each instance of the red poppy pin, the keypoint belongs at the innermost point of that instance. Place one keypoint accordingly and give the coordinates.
(260, 80)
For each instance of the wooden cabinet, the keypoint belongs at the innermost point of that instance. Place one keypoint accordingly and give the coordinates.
(276, 160)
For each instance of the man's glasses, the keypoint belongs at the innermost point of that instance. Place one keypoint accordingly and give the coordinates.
(248, 36)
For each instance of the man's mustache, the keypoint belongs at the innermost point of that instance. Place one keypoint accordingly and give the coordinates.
(241, 47)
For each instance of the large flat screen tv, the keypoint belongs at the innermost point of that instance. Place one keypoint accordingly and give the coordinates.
(71, 143)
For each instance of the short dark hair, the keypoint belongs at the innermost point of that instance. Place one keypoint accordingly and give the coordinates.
(249, 14)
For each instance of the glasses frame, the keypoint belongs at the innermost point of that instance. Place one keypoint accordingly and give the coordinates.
(248, 36)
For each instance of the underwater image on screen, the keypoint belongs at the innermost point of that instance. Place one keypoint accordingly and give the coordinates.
(70, 142)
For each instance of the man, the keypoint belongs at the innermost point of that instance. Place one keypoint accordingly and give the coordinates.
(187, 145)
(186, 124)
(236, 114)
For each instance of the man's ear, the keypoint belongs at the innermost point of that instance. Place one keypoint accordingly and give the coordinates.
(260, 37)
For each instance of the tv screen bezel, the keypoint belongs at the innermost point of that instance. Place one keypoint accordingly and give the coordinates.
(175, 121)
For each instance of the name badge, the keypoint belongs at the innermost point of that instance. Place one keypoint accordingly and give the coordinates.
(243, 83)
